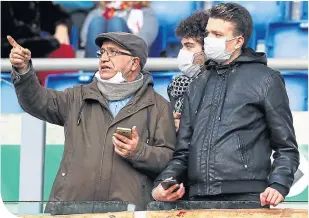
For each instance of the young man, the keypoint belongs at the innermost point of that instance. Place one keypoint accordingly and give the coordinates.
(98, 164)
(234, 116)
(191, 59)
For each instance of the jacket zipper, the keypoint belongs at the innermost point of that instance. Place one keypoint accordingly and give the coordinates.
(224, 94)
(101, 173)
(210, 138)
(240, 147)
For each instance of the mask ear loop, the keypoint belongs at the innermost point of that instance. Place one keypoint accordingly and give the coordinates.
(130, 70)
(124, 69)
(231, 40)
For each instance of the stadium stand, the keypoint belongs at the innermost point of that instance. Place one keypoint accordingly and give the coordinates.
(9, 102)
(169, 15)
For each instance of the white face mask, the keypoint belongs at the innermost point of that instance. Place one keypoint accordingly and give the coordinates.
(185, 63)
(215, 49)
(118, 77)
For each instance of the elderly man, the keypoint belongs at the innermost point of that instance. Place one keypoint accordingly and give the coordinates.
(98, 164)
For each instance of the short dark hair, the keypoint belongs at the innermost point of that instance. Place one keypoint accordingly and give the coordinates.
(194, 26)
(236, 14)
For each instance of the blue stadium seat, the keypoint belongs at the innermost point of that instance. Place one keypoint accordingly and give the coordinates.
(304, 10)
(9, 102)
(62, 81)
(169, 14)
(71, 6)
(74, 36)
(296, 83)
(290, 40)
(287, 40)
(161, 81)
(263, 13)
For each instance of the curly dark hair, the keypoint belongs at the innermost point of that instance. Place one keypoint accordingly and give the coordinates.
(236, 14)
(194, 26)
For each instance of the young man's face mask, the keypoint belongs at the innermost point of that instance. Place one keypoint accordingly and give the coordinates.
(215, 49)
(186, 63)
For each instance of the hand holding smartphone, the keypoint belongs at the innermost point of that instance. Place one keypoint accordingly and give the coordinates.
(124, 132)
(167, 183)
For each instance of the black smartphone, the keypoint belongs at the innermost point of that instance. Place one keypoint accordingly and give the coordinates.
(167, 183)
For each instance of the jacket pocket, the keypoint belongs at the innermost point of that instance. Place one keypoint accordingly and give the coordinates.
(60, 183)
(242, 151)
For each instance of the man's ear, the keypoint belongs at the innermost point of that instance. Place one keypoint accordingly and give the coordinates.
(136, 63)
(239, 42)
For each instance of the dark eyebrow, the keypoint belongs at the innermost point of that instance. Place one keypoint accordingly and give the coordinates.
(216, 32)
(188, 43)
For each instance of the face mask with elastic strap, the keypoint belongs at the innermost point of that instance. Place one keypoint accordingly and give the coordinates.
(118, 77)
(215, 49)
(185, 61)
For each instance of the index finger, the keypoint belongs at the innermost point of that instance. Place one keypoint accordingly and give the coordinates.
(13, 42)
(172, 188)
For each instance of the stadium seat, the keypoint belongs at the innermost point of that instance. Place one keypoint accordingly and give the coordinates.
(74, 37)
(62, 81)
(304, 10)
(71, 6)
(161, 81)
(287, 39)
(169, 14)
(263, 13)
(296, 83)
(290, 40)
(9, 102)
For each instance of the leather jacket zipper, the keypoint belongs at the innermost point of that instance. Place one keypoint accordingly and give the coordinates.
(213, 123)
(240, 147)
(224, 94)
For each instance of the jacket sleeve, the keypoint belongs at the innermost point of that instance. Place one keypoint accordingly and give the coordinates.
(152, 159)
(280, 123)
(177, 167)
(42, 103)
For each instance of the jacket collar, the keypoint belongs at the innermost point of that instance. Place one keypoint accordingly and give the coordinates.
(144, 97)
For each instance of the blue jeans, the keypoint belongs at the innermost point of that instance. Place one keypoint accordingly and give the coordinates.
(100, 25)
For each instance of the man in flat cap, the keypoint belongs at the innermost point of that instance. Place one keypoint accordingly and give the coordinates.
(99, 164)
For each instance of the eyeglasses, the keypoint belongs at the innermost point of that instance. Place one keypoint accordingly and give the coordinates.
(111, 52)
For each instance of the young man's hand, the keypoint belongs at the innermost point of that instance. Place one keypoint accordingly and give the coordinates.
(177, 120)
(271, 196)
(160, 194)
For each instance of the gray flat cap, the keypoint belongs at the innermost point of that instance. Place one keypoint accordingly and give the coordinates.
(134, 44)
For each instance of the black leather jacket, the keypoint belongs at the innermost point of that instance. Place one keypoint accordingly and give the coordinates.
(233, 117)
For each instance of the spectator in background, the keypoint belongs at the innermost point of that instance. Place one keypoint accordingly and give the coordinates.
(119, 16)
(41, 26)
(191, 58)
